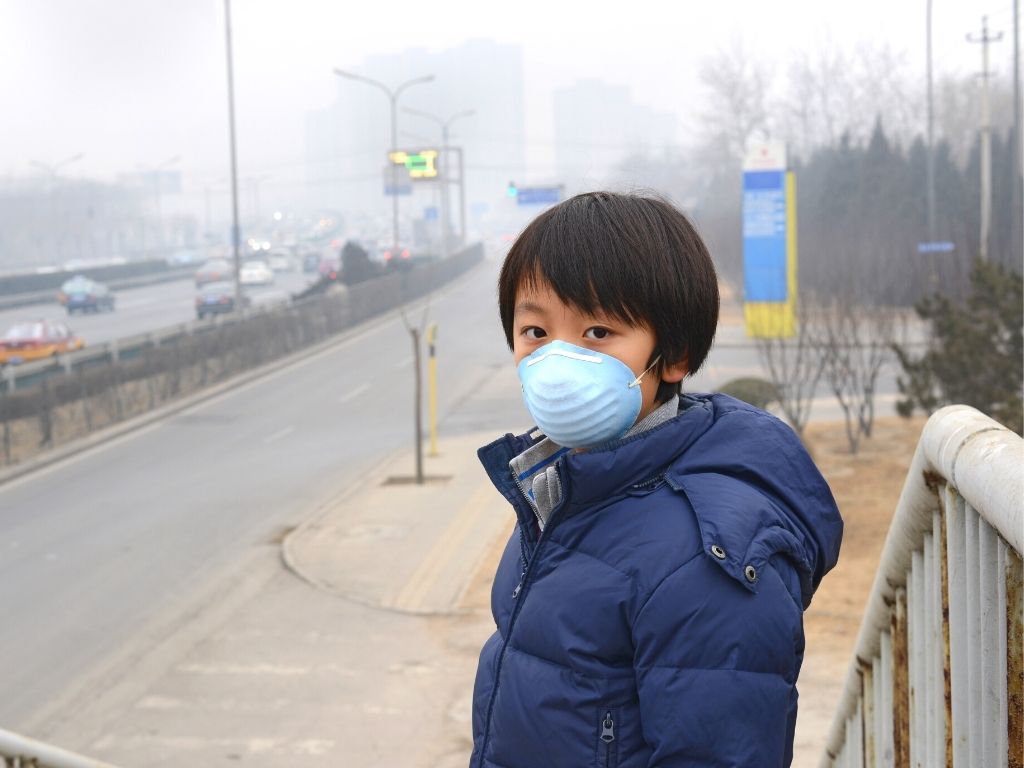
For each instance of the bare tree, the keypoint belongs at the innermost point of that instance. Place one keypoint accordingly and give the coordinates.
(738, 87)
(855, 341)
(794, 367)
(837, 91)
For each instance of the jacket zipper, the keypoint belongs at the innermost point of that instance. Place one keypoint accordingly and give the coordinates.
(649, 483)
(608, 737)
(522, 538)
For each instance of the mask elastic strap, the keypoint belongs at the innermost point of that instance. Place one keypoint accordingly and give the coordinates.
(636, 381)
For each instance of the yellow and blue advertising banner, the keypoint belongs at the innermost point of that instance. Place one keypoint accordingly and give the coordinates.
(769, 245)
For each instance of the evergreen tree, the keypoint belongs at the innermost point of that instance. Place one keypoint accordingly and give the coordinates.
(975, 354)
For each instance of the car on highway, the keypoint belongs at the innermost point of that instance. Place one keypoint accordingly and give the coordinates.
(214, 271)
(256, 272)
(217, 299)
(36, 340)
(84, 295)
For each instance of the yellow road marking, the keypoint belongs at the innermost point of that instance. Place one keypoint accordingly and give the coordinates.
(424, 578)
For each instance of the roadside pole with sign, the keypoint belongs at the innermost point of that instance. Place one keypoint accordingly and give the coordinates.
(769, 243)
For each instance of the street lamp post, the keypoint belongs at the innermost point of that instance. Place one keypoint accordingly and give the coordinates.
(414, 332)
(445, 125)
(236, 234)
(392, 94)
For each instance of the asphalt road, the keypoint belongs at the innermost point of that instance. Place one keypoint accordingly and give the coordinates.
(147, 308)
(93, 548)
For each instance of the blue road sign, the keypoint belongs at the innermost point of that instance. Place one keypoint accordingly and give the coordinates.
(764, 236)
(538, 195)
(402, 190)
(941, 247)
(430, 213)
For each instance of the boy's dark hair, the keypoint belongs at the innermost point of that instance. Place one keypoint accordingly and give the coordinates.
(636, 258)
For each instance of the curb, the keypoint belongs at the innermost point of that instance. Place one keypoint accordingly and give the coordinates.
(327, 507)
(122, 429)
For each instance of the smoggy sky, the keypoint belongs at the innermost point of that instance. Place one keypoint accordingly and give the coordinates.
(132, 83)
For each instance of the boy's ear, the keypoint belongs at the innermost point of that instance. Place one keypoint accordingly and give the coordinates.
(673, 373)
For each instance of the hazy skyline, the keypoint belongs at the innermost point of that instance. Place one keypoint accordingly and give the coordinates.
(132, 84)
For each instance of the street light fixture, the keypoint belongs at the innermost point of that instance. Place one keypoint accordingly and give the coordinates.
(392, 94)
(52, 169)
(445, 125)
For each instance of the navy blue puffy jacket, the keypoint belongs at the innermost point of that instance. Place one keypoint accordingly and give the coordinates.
(657, 620)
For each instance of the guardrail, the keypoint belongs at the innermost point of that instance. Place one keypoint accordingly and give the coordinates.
(937, 678)
(21, 752)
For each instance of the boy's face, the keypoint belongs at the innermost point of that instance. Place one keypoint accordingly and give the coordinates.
(540, 317)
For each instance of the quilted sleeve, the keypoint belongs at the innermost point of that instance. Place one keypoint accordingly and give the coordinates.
(716, 667)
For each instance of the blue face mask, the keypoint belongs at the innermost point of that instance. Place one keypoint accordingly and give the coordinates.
(580, 398)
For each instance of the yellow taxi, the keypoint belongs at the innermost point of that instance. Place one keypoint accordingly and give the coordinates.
(36, 340)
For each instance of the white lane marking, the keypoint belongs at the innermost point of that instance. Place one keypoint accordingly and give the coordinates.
(404, 363)
(278, 435)
(354, 393)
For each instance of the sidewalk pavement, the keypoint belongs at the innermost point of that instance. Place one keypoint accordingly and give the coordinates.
(353, 643)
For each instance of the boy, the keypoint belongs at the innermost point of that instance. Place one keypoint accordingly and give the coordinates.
(649, 603)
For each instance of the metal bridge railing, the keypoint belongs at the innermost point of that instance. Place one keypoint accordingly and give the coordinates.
(937, 678)
(21, 752)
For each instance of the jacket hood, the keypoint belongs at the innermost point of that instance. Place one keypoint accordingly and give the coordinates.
(756, 493)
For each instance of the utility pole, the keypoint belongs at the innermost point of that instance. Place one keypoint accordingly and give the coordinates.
(986, 137)
(931, 134)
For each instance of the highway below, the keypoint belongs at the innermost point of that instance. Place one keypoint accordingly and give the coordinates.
(93, 548)
(96, 546)
(147, 308)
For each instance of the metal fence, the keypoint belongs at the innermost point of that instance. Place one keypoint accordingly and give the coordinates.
(937, 678)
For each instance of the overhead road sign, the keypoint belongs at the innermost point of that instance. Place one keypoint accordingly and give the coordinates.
(944, 247)
(538, 195)
(421, 164)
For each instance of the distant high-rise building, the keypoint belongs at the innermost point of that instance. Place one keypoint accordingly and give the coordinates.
(347, 142)
(597, 125)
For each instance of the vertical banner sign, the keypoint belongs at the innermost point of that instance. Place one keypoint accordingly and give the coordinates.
(769, 243)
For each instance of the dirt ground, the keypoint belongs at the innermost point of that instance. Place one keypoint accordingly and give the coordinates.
(867, 487)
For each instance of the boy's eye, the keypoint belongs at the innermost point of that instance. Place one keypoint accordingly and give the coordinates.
(534, 333)
(596, 333)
